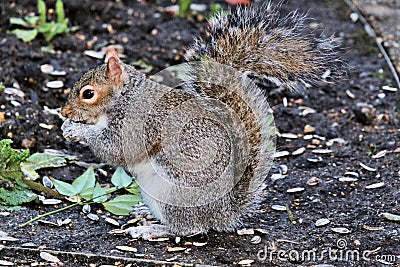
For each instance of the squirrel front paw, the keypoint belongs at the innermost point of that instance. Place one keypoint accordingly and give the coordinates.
(74, 131)
(148, 232)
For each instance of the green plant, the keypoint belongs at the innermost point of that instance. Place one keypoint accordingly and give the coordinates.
(38, 24)
(15, 165)
(184, 8)
(88, 191)
(216, 9)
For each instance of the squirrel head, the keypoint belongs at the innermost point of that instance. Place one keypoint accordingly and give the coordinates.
(92, 94)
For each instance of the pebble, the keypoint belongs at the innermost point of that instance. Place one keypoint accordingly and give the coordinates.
(322, 222)
(55, 84)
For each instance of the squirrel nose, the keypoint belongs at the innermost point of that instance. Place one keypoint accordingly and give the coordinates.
(66, 111)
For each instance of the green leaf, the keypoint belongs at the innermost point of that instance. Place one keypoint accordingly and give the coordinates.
(184, 7)
(85, 181)
(64, 188)
(120, 178)
(25, 35)
(121, 205)
(41, 6)
(60, 11)
(100, 193)
(40, 161)
(32, 20)
(46, 28)
(133, 189)
(16, 196)
(10, 160)
(19, 21)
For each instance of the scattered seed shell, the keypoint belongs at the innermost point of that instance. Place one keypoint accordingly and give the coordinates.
(6, 263)
(322, 222)
(93, 217)
(175, 249)
(199, 244)
(8, 238)
(321, 151)
(51, 201)
(245, 231)
(350, 94)
(245, 262)
(389, 88)
(112, 221)
(283, 168)
(371, 228)
(289, 136)
(127, 248)
(295, 190)
(391, 217)
(276, 176)
(376, 185)
(352, 174)
(46, 68)
(15, 103)
(14, 91)
(347, 179)
(256, 239)
(58, 73)
(86, 208)
(28, 245)
(48, 257)
(46, 126)
(94, 54)
(280, 154)
(367, 167)
(308, 129)
(160, 239)
(380, 154)
(47, 182)
(278, 207)
(313, 181)
(55, 84)
(341, 230)
(314, 160)
(299, 151)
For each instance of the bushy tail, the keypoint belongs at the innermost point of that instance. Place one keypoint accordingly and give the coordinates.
(276, 49)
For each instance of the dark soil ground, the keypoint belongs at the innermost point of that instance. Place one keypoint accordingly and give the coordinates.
(148, 33)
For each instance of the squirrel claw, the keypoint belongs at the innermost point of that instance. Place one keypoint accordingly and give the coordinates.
(148, 232)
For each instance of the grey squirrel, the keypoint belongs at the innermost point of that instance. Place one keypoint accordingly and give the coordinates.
(199, 171)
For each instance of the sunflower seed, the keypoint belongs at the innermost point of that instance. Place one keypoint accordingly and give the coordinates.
(55, 84)
(48, 257)
(46, 68)
(245, 231)
(391, 217)
(322, 222)
(313, 181)
(94, 54)
(93, 217)
(289, 136)
(278, 207)
(341, 230)
(47, 182)
(14, 91)
(321, 151)
(51, 201)
(175, 249)
(86, 208)
(299, 151)
(280, 154)
(127, 248)
(389, 88)
(276, 176)
(352, 174)
(245, 262)
(295, 190)
(379, 154)
(347, 179)
(256, 239)
(376, 185)
(58, 73)
(112, 221)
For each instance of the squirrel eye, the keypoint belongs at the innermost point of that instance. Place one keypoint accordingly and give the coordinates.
(88, 94)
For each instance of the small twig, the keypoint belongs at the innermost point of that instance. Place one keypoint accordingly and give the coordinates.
(369, 29)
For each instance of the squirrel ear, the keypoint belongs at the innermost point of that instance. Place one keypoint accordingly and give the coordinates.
(114, 70)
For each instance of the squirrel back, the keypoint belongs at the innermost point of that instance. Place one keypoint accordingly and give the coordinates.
(201, 152)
